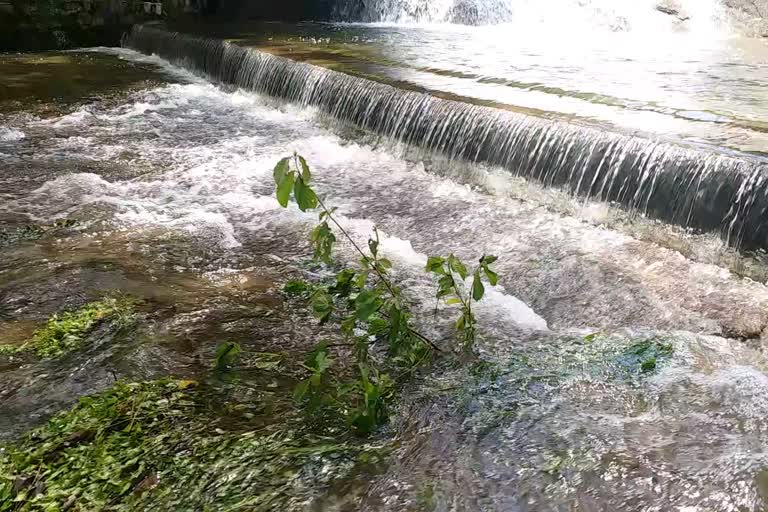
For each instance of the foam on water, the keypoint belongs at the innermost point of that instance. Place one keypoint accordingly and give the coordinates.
(216, 181)
(705, 189)
(10, 134)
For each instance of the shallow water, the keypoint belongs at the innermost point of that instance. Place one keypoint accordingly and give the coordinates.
(171, 190)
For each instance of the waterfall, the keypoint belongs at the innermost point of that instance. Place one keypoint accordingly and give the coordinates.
(690, 186)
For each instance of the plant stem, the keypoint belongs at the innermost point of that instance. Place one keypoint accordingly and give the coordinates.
(467, 305)
(375, 268)
(357, 247)
(417, 334)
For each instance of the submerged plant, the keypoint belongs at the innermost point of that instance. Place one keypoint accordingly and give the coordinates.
(227, 355)
(68, 331)
(34, 231)
(153, 446)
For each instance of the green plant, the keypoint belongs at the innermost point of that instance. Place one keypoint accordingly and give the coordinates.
(313, 387)
(645, 356)
(368, 307)
(157, 446)
(452, 291)
(68, 331)
(226, 356)
(369, 396)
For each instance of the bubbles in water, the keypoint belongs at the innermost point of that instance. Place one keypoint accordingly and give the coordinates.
(10, 134)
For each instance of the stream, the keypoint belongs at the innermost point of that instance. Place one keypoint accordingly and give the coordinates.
(164, 176)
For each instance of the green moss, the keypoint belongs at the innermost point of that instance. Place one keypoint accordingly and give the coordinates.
(69, 330)
(645, 356)
(296, 288)
(153, 446)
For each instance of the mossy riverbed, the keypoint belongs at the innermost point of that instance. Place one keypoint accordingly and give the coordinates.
(160, 446)
(234, 439)
(69, 330)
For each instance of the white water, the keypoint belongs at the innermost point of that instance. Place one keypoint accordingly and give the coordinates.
(557, 17)
(10, 135)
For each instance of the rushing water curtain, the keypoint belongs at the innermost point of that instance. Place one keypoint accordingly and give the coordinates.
(694, 187)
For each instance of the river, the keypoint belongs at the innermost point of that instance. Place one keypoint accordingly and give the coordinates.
(164, 170)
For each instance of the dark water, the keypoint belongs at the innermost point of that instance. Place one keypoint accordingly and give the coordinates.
(169, 181)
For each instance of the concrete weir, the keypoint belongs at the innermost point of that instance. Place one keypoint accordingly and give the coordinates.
(696, 187)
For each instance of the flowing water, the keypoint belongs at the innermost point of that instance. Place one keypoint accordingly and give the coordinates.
(703, 183)
(166, 178)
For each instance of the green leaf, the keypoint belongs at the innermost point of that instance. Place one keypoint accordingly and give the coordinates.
(301, 390)
(281, 169)
(377, 325)
(314, 357)
(306, 176)
(485, 263)
(493, 278)
(385, 263)
(296, 287)
(322, 306)
(226, 355)
(397, 322)
(445, 286)
(478, 290)
(461, 322)
(362, 277)
(452, 301)
(322, 361)
(348, 325)
(488, 259)
(284, 189)
(373, 245)
(305, 196)
(344, 283)
(367, 303)
(322, 241)
(457, 266)
(435, 265)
